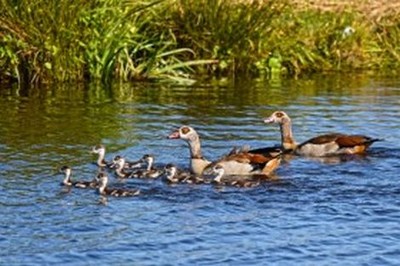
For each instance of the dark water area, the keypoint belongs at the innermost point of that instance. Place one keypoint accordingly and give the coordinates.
(315, 212)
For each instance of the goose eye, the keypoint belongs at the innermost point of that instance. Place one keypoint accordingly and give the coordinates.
(279, 114)
(185, 130)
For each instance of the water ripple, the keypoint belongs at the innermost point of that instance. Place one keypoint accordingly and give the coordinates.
(342, 210)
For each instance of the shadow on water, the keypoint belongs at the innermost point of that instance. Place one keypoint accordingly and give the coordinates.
(333, 209)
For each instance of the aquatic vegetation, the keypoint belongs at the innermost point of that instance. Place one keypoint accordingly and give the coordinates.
(43, 41)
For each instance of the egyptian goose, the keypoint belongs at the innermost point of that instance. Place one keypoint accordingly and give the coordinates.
(126, 165)
(237, 162)
(324, 145)
(116, 192)
(236, 181)
(67, 181)
(175, 175)
(150, 171)
(101, 151)
(118, 165)
(197, 161)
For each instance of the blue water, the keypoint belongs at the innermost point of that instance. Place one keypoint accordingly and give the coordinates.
(314, 213)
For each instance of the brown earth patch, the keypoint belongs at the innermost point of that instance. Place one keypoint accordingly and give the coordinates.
(371, 9)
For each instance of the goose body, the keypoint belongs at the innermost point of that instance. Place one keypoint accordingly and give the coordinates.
(247, 163)
(115, 192)
(323, 145)
(67, 181)
(197, 161)
(175, 175)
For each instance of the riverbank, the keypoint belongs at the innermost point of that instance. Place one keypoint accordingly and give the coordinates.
(183, 39)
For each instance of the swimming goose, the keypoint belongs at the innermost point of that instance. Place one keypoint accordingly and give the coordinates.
(120, 171)
(150, 171)
(116, 192)
(126, 165)
(67, 181)
(237, 162)
(324, 145)
(101, 151)
(175, 175)
(197, 161)
(236, 181)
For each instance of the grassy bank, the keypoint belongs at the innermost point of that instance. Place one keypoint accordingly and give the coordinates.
(43, 41)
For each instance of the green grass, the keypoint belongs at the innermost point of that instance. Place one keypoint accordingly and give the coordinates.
(181, 40)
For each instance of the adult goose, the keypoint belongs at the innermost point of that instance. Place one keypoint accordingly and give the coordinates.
(67, 181)
(238, 162)
(197, 161)
(323, 145)
(116, 192)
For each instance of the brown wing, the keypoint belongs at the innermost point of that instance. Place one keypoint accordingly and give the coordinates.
(353, 140)
(323, 139)
(344, 141)
(267, 151)
(250, 158)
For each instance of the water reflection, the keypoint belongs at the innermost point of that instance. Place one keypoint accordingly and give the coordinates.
(340, 209)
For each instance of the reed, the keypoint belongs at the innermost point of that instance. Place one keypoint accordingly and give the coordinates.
(47, 40)
(179, 40)
(232, 32)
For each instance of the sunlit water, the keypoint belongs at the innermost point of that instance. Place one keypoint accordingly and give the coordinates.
(315, 213)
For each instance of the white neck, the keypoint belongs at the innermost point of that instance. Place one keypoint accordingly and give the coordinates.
(102, 184)
(121, 163)
(149, 163)
(101, 153)
(171, 173)
(67, 178)
(120, 168)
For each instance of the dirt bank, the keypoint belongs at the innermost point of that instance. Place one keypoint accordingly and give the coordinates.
(371, 9)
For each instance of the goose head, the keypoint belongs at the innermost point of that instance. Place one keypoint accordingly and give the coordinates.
(283, 120)
(99, 149)
(278, 117)
(184, 132)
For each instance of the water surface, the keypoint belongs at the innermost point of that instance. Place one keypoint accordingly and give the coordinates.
(315, 212)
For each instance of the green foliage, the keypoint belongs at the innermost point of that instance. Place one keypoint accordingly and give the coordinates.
(231, 32)
(46, 40)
